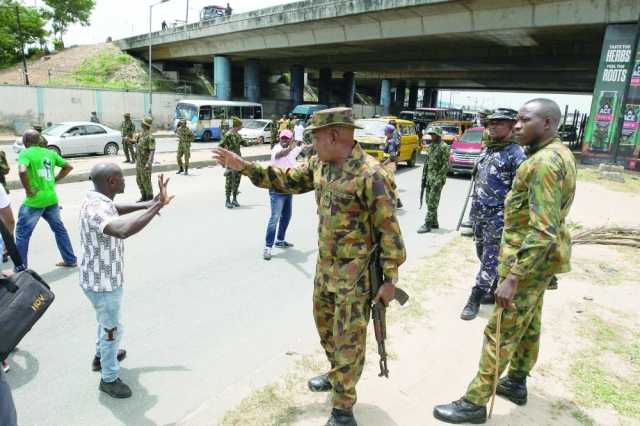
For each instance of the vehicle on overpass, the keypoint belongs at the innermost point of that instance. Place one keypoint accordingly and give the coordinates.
(372, 139)
(305, 111)
(204, 117)
(451, 129)
(79, 138)
(256, 132)
(465, 150)
(211, 12)
(421, 118)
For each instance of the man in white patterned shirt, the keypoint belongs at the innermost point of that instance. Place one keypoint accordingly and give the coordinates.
(102, 231)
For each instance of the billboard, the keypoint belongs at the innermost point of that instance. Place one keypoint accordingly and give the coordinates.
(606, 108)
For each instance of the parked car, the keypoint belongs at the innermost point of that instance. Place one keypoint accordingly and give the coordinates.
(465, 150)
(79, 137)
(371, 138)
(305, 111)
(450, 129)
(255, 132)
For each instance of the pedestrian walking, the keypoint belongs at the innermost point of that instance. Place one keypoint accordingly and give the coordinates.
(355, 211)
(232, 142)
(127, 128)
(391, 150)
(284, 123)
(103, 227)
(185, 137)
(434, 175)
(536, 244)
(494, 173)
(146, 148)
(94, 117)
(37, 174)
(274, 130)
(283, 155)
(298, 131)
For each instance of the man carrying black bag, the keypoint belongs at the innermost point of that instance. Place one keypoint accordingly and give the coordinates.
(102, 229)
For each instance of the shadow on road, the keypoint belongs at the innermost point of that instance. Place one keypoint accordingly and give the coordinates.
(133, 411)
(58, 274)
(20, 376)
(366, 414)
(296, 258)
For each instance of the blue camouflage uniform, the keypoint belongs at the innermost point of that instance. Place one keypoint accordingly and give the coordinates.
(496, 169)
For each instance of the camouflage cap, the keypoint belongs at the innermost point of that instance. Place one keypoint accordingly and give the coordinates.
(236, 121)
(504, 114)
(182, 121)
(147, 121)
(333, 117)
(434, 131)
(127, 115)
(37, 127)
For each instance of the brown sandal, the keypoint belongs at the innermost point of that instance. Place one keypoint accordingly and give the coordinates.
(63, 264)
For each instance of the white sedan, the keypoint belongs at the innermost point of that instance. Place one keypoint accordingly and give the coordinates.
(256, 131)
(76, 138)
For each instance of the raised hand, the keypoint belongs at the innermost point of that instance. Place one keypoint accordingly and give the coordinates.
(164, 196)
(228, 159)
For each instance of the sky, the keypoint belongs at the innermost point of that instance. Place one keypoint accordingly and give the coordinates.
(124, 18)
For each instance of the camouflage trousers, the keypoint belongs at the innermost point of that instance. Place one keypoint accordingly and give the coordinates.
(520, 340)
(390, 168)
(432, 197)
(129, 151)
(143, 179)
(184, 150)
(487, 234)
(341, 320)
(232, 182)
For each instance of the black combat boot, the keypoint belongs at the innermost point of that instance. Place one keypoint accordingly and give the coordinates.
(461, 411)
(235, 202)
(488, 298)
(424, 228)
(319, 383)
(398, 203)
(341, 418)
(179, 171)
(186, 171)
(435, 226)
(553, 284)
(228, 203)
(472, 307)
(513, 389)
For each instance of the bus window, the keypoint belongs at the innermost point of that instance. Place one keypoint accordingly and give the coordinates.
(185, 111)
(247, 112)
(205, 112)
(257, 112)
(220, 112)
(235, 111)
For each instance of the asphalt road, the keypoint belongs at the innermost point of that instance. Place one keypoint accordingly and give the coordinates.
(206, 319)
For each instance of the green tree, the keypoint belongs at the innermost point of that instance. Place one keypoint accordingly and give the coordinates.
(32, 24)
(64, 13)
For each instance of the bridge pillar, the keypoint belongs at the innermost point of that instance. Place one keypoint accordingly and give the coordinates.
(222, 78)
(349, 79)
(324, 86)
(434, 98)
(297, 84)
(400, 96)
(252, 80)
(413, 96)
(385, 96)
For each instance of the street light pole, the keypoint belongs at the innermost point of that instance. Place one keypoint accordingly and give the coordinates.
(150, 59)
(24, 61)
(186, 16)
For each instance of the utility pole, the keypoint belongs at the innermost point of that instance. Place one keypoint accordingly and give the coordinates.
(24, 61)
(186, 16)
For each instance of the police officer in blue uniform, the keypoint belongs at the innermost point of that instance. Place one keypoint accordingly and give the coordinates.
(495, 170)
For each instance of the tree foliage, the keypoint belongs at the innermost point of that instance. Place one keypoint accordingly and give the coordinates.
(32, 24)
(64, 13)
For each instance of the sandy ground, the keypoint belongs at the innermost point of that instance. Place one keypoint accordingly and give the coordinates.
(434, 354)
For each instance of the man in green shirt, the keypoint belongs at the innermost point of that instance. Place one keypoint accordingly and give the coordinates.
(36, 167)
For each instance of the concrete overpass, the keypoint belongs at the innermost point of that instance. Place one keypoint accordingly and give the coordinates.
(541, 45)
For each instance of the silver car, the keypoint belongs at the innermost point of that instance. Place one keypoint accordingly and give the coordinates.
(79, 137)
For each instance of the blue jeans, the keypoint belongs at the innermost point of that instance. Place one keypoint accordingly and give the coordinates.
(28, 218)
(280, 216)
(8, 415)
(107, 307)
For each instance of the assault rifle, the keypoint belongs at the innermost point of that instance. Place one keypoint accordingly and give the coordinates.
(423, 182)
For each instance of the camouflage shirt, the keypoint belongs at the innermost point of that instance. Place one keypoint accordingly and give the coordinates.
(185, 135)
(127, 129)
(437, 162)
(535, 238)
(4, 164)
(231, 141)
(145, 147)
(353, 199)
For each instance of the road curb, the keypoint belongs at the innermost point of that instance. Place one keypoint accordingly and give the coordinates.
(4, 141)
(84, 176)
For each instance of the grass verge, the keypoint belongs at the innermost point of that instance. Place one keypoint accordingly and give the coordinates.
(590, 174)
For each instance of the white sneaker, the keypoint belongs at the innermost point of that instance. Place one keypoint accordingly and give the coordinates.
(5, 366)
(266, 254)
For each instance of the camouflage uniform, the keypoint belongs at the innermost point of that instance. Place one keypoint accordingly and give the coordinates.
(185, 137)
(127, 129)
(146, 146)
(4, 170)
(231, 141)
(536, 244)
(354, 200)
(496, 168)
(224, 127)
(274, 131)
(435, 166)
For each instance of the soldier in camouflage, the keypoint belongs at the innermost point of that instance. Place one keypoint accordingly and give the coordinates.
(224, 126)
(434, 172)
(274, 130)
(232, 142)
(144, 162)
(494, 172)
(356, 209)
(536, 244)
(127, 128)
(185, 137)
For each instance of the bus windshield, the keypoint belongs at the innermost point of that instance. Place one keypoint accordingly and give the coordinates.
(186, 111)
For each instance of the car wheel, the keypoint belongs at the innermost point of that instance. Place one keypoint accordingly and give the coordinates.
(260, 140)
(206, 136)
(412, 160)
(111, 149)
(55, 149)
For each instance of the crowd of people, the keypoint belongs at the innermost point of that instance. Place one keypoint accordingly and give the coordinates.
(525, 183)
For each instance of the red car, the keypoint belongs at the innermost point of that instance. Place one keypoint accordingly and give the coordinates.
(465, 150)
